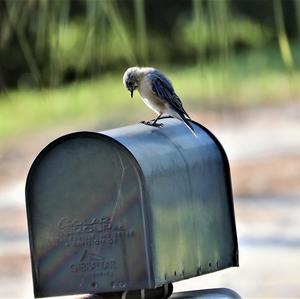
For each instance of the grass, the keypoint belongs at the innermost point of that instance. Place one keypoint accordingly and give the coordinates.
(250, 79)
(25, 110)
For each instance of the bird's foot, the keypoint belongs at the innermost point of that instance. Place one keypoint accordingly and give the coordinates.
(146, 122)
(157, 125)
(150, 123)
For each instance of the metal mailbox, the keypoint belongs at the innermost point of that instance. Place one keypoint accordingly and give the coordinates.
(130, 208)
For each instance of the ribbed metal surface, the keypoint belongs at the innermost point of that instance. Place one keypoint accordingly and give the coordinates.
(130, 208)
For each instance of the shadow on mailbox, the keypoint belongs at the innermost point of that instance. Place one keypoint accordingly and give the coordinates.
(130, 208)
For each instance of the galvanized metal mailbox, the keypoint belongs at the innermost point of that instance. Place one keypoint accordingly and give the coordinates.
(128, 209)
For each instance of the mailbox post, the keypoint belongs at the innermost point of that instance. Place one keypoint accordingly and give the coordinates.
(133, 208)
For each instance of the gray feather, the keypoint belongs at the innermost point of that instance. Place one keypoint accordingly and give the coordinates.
(163, 88)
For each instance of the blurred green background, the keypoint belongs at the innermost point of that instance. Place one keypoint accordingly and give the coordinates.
(63, 60)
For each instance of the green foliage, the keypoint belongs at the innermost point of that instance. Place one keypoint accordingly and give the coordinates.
(54, 42)
(255, 78)
(284, 45)
(46, 43)
(242, 31)
(27, 109)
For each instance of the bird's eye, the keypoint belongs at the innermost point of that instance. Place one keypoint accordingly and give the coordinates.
(130, 83)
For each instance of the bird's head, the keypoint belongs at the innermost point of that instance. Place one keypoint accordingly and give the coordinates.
(131, 79)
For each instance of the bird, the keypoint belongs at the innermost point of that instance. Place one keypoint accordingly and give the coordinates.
(157, 92)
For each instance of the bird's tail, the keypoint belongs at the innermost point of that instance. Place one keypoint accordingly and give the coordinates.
(187, 123)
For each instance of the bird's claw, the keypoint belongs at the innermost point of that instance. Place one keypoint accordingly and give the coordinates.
(150, 123)
(157, 125)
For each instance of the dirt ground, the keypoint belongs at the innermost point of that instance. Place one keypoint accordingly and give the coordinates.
(263, 146)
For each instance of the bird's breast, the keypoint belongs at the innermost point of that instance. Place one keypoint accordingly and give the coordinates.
(150, 99)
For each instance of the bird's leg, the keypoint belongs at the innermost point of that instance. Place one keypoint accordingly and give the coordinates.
(153, 123)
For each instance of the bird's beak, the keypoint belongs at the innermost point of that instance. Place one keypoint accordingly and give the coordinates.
(131, 92)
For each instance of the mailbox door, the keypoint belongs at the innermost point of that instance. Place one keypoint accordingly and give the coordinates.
(84, 199)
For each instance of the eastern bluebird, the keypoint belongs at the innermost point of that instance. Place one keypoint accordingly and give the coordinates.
(157, 93)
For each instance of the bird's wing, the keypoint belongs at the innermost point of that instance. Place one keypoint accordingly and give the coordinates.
(163, 88)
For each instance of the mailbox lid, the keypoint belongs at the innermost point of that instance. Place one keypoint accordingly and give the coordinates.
(84, 197)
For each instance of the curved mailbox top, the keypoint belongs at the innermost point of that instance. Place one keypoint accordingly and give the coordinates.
(129, 208)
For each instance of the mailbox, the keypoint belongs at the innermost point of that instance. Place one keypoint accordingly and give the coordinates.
(128, 209)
